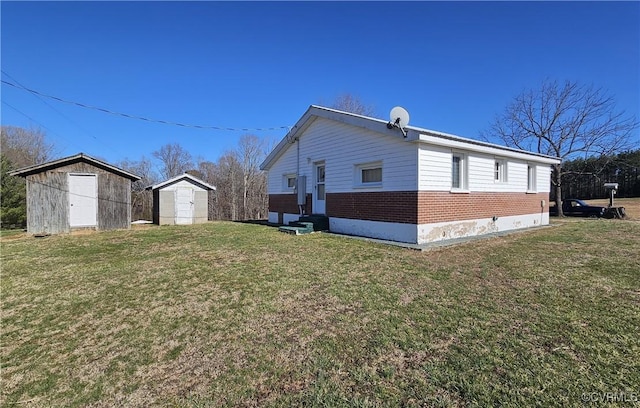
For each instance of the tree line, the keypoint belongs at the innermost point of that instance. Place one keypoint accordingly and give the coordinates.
(585, 178)
(241, 187)
(560, 119)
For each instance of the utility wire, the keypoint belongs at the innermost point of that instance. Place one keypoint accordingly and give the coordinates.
(126, 115)
(28, 117)
(57, 111)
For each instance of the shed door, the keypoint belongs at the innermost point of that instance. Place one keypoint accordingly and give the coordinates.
(184, 206)
(83, 200)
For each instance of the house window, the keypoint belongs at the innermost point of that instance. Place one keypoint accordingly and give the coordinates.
(289, 182)
(531, 178)
(500, 171)
(458, 171)
(368, 175)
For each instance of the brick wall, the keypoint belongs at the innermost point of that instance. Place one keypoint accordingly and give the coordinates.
(287, 203)
(443, 206)
(418, 207)
(393, 206)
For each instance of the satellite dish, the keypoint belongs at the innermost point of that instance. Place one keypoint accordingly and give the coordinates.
(398, 118)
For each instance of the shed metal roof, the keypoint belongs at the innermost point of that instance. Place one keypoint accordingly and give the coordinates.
(80, 157)
(185, 176)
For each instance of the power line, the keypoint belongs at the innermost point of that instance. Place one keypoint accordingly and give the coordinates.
(57, 111)
(126, 115)
(27, 116)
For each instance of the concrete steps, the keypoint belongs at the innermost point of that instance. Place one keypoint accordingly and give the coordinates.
(306, 225)
(297, 228)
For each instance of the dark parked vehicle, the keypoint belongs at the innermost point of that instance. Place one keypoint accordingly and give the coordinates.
(578, 208)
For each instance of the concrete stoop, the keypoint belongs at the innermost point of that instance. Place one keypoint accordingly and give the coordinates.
(306, 225)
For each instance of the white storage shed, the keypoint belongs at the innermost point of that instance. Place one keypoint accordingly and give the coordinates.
(183, 199)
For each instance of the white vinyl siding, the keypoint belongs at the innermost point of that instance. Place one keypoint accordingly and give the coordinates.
(408, 166)
(342, 147)
(543, 178)
(435, 168)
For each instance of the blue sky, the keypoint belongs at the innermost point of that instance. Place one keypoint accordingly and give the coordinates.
(452, 65)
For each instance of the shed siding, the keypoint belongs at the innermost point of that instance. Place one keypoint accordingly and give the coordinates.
(48, 199)
(114, 201)
(47, 203)
(342, 147)
(201, 207)
(167, 207)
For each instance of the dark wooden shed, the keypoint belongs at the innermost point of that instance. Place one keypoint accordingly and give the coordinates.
(77, 192)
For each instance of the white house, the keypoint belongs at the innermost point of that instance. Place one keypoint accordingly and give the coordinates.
(183, 199)
(415, 186)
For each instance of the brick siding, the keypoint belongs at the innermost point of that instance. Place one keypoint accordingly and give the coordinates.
(287, 203)
(395, 206)
(418, 207)
(442, 206)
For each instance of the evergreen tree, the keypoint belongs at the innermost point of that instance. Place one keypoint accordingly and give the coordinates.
(13, 197)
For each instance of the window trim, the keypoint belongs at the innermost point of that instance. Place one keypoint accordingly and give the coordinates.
(285, 182)
(357, 174)
(463, 173)
(532, 182)
(500, 171)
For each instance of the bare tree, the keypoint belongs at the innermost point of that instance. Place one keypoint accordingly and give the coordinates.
(206, 171)
(563, 120)
(175, 160)
(250, 154)
(141, 199)
(353, 104)
(19, 147)
(229, 184)
(25, 147)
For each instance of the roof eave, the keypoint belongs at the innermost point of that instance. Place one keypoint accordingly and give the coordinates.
(314, 112)
(448, 140)
(175, 179)
(37, 168)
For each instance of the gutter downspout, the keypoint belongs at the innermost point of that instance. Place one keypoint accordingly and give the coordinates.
(298, 172)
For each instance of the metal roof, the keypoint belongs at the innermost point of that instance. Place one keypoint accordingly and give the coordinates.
(80, 157)
(179, 178)
(379, 125)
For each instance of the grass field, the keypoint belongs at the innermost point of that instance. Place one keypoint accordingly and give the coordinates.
(231, 314)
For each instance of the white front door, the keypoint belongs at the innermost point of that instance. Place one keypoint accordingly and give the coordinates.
(319, 196)
(184, 206)
(83, 200)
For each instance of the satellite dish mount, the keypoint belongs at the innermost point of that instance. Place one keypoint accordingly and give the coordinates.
(398, 118)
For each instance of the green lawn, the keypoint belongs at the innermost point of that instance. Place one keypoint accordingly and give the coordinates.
(231, 314)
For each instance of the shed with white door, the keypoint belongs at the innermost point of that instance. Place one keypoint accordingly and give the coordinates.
(181, 200)
(77, 192)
